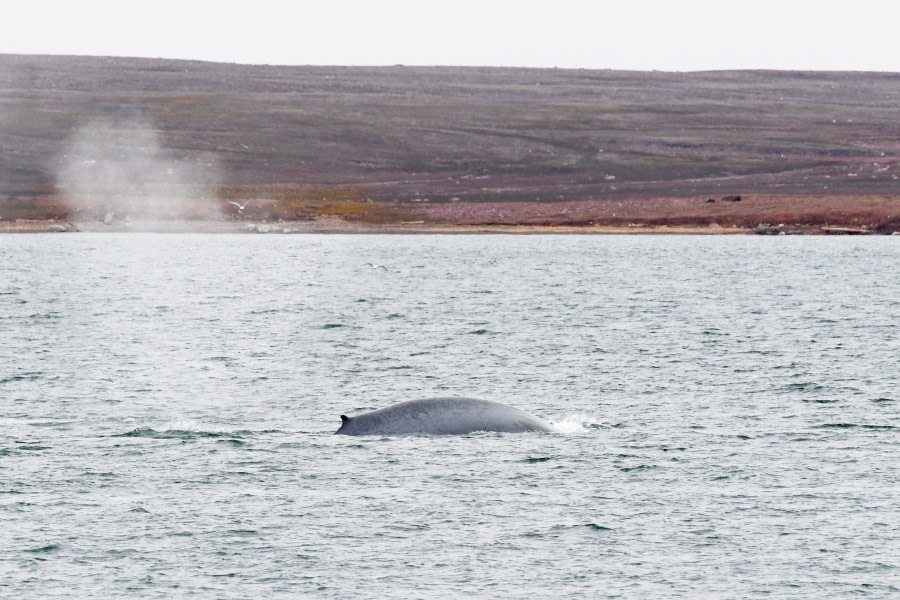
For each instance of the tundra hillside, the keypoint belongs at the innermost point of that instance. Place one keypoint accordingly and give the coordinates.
(467, 145)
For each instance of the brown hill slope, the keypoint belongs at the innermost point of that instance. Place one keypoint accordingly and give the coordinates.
(472, 134)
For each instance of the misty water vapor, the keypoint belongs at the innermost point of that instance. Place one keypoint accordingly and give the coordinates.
(122, 167)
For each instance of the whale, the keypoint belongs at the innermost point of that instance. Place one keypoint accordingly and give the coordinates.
(442, 416)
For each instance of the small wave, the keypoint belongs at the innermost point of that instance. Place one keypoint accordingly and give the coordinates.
(591, 526)
(51, 424)
(31, 376)
(267, 311)
(149, 432)
(637, 468)
(537, 459)
(45, 549)
(805, 386)
(332, 325)
(31, 447)
(187, 430)
(44, 316)
(855, 425)
(232, 441)
(714, 332)
(242, 532)
(191, 430)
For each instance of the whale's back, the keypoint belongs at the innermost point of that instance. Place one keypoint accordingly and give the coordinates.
(442, 416)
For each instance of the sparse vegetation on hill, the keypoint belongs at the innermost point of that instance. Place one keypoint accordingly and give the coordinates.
(298, 142)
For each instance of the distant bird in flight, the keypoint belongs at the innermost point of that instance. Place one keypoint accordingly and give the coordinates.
(374, 266)
(240, 207)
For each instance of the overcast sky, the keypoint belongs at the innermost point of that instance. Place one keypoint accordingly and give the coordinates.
(669, 35)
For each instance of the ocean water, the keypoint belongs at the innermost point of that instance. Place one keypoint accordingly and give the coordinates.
(729, 408)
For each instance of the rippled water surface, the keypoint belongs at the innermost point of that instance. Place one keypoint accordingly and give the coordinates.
(729, 406)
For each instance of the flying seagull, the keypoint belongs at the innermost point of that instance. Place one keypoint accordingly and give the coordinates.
(240, 207)
(374, 266)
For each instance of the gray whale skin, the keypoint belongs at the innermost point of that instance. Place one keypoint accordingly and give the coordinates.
(442, 416)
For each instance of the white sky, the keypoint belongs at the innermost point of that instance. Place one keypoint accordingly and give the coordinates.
(673, 35)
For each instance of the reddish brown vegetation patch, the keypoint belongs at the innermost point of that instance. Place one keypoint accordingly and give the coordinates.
(880, 213)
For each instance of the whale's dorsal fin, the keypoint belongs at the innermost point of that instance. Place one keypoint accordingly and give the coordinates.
(344, 421)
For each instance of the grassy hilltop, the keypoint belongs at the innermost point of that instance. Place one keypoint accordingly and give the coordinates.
(453, 145)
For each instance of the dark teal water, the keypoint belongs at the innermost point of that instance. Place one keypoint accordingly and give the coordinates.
(730, 407)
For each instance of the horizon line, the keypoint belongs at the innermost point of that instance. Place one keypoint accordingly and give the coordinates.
(447, 66)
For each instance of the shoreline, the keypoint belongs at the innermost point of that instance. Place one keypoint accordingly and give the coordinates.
(342, 226)
(751, 214)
